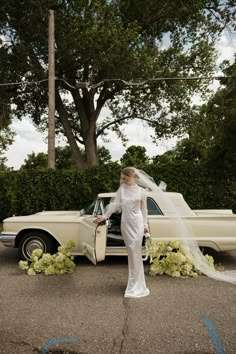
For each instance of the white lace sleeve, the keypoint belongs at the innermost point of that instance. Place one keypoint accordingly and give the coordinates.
(114, 205)
(144, 207)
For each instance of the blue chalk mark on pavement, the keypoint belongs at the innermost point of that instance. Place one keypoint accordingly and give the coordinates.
(54, 341)
(214, 336)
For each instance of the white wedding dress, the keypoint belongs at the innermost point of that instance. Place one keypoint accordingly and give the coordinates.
(132, 201)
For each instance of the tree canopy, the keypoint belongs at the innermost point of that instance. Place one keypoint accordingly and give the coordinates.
(135, 155)
(6, 135)
(211, 128)
(63, 159)
(99, 40)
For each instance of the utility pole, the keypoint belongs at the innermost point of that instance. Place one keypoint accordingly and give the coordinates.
(51, 90)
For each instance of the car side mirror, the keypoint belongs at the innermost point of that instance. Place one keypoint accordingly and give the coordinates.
(82, 212)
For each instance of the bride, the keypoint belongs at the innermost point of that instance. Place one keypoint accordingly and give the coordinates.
(132, 200)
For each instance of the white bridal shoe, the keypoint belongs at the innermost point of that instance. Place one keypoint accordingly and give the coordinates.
(133, 295)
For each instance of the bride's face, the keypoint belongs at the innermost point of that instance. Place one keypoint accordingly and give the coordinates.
(127, 180)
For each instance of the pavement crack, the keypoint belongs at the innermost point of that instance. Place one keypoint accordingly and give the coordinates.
(118, 342)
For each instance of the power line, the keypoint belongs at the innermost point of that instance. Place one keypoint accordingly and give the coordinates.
(137, 82)
(141, 82)
(22, 83)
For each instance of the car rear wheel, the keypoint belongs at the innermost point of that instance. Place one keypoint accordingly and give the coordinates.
(33, 240)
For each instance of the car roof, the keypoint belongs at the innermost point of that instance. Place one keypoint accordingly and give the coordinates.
(150, 194)
(167, 208)
(106, 195)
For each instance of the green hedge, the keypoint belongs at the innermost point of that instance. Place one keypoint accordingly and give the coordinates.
(202, 188)
(23, 193)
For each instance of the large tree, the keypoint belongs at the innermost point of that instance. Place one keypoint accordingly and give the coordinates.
(6, 93)
(98, 40)
(6, 135)
(212, 126)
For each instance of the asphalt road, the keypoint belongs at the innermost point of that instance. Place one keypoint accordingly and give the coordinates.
(85, 312)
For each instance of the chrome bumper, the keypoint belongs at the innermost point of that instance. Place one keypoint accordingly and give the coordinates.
(8, 240)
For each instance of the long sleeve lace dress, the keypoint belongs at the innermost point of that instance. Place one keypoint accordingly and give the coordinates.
(132, 201)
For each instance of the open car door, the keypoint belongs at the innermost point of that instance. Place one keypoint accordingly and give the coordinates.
(94, 239)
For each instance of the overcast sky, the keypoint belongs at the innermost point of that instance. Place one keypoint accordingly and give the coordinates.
(29, 140)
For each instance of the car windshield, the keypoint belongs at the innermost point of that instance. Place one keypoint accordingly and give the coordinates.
(90, 209)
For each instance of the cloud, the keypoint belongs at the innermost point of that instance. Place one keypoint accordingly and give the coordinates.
(138, 133)
(226, 46)
(27, 141)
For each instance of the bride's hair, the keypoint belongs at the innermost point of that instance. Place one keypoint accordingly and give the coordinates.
(129, 172)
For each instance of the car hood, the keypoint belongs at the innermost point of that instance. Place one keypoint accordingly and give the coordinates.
(46, 216)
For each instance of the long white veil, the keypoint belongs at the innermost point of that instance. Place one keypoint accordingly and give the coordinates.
(183, 232)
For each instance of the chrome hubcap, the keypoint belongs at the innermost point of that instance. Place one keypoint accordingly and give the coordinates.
(32, 244)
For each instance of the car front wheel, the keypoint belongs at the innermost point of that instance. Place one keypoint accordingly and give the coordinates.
(33, 240)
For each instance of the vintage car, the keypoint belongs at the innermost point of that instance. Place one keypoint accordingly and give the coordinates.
(47, 230)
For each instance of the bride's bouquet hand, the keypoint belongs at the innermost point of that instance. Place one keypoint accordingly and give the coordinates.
(99, 218)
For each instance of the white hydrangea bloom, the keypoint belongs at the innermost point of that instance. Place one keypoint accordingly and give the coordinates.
(31, 271)
(50, 264)
(37, 252)
(60, 257)
(23, 265)
(170, 258)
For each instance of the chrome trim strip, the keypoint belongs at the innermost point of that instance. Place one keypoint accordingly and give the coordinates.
(8, 240)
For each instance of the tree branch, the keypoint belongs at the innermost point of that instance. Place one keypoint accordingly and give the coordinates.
(79, 140)
(105, 96)
(79, 105)
(101, 130)
(213, 12)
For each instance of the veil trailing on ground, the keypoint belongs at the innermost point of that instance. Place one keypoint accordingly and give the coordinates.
(183, 233)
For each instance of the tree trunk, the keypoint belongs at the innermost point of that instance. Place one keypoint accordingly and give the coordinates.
(76, 153)
(88, 116)
(91, 146)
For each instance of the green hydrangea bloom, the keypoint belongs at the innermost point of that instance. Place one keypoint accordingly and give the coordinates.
(70, 244)
(60, 257)
(171, 259)
(50, 270)
(23, 265)
(50, 264)
(37, 252)
(31, 271)
(175, 244)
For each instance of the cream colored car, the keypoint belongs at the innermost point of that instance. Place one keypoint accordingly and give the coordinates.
(47, 230)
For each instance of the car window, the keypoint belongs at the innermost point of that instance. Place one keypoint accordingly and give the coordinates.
(153, 208)
(101, 206)
(98, 209)
(106, 202)
(90, 209)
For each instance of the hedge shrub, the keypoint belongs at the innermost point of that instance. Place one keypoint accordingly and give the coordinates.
(23, 193)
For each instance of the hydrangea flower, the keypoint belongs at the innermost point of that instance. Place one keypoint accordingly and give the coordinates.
(50, 264)
(31, 271)
(24, 265)
(37, 252)
(171, 259)
(174, 244)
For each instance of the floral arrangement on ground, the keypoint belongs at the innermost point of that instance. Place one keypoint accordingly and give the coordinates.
(171, 259)
(50, 264)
